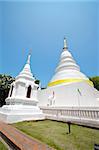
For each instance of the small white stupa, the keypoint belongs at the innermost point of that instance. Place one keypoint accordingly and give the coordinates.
(71, 87)
(22, 101)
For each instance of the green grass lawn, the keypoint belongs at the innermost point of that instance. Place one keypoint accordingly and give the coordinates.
(2, 146)
(55, 134)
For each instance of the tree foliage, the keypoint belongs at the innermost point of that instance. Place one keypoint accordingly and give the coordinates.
(95, 81)
(37, 81)
(5, 82)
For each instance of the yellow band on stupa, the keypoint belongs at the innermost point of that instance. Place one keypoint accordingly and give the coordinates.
(69, 81)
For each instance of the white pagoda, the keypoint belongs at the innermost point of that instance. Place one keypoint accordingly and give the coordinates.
(22, 101)
(69, 87)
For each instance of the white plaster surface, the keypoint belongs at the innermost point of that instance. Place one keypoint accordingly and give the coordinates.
(68, 95)
(17, 113)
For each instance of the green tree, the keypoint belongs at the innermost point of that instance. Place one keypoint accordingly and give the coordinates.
(37, 81)
(95, 81)
(5, 82)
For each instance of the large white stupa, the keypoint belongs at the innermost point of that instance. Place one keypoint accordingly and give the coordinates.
(22, 101)
(69, 87)
(67, 70)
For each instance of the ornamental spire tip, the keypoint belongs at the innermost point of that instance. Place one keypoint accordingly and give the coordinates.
(28, 60)
(29, 56)
(65, 44)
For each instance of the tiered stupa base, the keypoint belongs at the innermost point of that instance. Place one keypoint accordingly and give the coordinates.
(17, 113)
(21, 101)
(78, 94)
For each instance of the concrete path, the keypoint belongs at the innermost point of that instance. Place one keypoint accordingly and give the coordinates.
(20, 140)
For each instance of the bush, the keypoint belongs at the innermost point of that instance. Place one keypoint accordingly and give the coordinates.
(95, 81)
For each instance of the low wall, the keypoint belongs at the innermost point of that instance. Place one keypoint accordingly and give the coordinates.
(74, 115)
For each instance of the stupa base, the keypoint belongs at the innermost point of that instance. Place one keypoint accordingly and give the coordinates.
(18, 113)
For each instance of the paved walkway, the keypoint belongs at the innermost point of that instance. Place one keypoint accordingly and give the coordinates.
(21, 140)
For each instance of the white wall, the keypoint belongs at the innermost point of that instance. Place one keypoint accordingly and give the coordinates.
(34, 94)
(20, 90)
(68, 95)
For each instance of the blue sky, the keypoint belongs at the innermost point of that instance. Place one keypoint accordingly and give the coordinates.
(41, 26)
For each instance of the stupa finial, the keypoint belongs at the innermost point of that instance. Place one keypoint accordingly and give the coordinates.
(28, 60)
(65, 44)
(29, 56)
